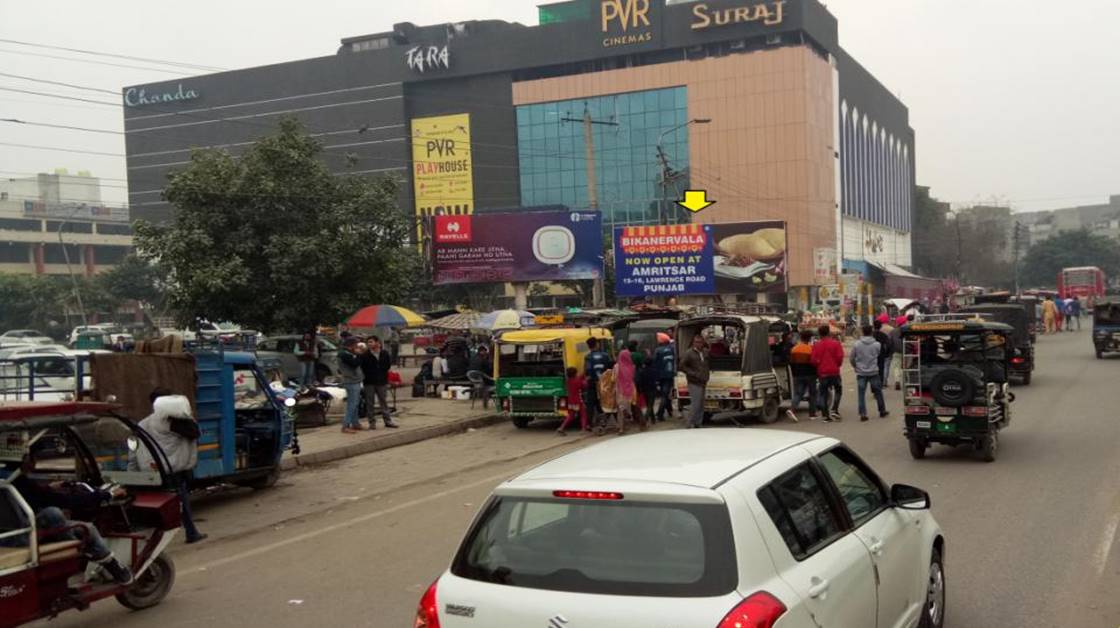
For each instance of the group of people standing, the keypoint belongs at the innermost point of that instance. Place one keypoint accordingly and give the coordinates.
(638, 377)
(815, 367)
(1055, 311)
(364, 374)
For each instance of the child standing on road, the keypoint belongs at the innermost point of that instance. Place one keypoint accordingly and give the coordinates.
(576, 384)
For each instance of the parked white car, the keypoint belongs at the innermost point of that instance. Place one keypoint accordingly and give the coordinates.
(23, 337)
(10, 353)
(706, 528)
(55, 375)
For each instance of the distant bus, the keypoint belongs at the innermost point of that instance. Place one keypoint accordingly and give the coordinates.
(1082, 281)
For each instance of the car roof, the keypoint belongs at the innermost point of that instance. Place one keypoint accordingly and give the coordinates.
(700, 458)
(560, 333)
(981, 307)
(709, 319)
(954, 326)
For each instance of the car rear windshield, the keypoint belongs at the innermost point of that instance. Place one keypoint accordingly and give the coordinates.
(602, 546)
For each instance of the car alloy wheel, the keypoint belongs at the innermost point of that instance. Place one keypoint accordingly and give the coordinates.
(935, 594)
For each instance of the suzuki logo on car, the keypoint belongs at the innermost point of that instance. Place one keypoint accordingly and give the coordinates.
(558, 621)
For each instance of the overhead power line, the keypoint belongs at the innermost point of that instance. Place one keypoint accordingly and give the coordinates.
(97, 62)
(32, 174)
(62, 96)
(39, 80)
(61, 126)
(63, 150)
(180, 64)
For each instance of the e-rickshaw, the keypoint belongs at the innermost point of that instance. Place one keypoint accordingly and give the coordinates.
(73, 446)
(1106, 327)
(955, 384)
(530, 368)
(742, 377)
(1022, 344)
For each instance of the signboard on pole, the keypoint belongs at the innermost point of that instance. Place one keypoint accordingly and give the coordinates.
(724, 258)
(442, 174)
(516, 246)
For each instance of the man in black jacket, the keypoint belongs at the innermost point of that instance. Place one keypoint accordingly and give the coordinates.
(375, 368)
(886, 351)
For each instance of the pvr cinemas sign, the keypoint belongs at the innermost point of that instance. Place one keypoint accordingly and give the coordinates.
(625, 22)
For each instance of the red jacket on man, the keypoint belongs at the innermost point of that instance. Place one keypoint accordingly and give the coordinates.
(828, 357)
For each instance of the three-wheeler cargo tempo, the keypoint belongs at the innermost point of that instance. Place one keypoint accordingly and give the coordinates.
(530, 367)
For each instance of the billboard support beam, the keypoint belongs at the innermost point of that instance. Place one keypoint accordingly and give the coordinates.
(520, 295)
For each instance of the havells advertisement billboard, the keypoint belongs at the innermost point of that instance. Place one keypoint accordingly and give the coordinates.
(550, 245)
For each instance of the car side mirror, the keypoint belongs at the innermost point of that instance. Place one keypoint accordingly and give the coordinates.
(909, 497)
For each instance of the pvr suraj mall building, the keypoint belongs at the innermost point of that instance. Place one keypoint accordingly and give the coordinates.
(754, 102)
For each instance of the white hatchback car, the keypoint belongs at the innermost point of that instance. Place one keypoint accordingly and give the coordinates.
(705, 529)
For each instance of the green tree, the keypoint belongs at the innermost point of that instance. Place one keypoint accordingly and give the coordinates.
(1046, 259)
(273, 240)
(31, 301)
(934, 237)
(134, 279)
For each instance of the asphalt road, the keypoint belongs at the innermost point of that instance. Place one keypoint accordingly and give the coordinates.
(1030, 536)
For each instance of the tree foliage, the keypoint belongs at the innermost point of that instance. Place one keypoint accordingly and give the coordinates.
(31, 301)
(134, 279)
(273, 240)
(1047, 258)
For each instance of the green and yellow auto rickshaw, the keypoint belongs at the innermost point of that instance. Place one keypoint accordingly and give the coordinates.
(530, 368)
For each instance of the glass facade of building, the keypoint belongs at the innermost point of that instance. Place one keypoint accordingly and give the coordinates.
(552, 153)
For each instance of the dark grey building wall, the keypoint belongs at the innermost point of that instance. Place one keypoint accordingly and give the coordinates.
(488, 100)
(337, 95)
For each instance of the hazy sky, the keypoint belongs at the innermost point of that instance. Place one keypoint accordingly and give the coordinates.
(1012, 100)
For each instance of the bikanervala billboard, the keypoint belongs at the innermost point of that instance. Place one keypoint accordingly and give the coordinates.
(725, 258)
(529, 245)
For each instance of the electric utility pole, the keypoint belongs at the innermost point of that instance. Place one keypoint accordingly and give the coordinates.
(598, 295)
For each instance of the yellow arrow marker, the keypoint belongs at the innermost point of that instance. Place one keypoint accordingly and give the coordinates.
(695, 200)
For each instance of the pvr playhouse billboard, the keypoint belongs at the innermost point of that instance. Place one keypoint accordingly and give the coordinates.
(727, 258)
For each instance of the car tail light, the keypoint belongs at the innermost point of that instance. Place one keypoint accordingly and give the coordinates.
(1018, 360)
(562, 403)
(586, 495)
(735, 392)
(427, 613)
(974, 411)
(505, 404)
(917, 409)
(682, 393)
(760, 610)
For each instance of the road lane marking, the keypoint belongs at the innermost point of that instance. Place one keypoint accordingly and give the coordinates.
(1100, 557)
(299, 538)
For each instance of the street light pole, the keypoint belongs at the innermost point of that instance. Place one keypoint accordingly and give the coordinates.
(69, 268)
(667, 173)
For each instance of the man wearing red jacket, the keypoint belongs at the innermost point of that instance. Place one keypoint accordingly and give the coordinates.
(828, 357)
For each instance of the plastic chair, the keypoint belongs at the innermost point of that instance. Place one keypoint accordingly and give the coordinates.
(481, 386)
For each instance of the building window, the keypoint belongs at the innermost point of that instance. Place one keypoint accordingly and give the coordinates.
(16, 224)
(109, 255)
(52, 254)
(14, 253)
(70, 227)
(628, 171)
(106, 229)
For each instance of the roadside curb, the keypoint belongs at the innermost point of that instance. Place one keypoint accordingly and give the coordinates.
(387, 442)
